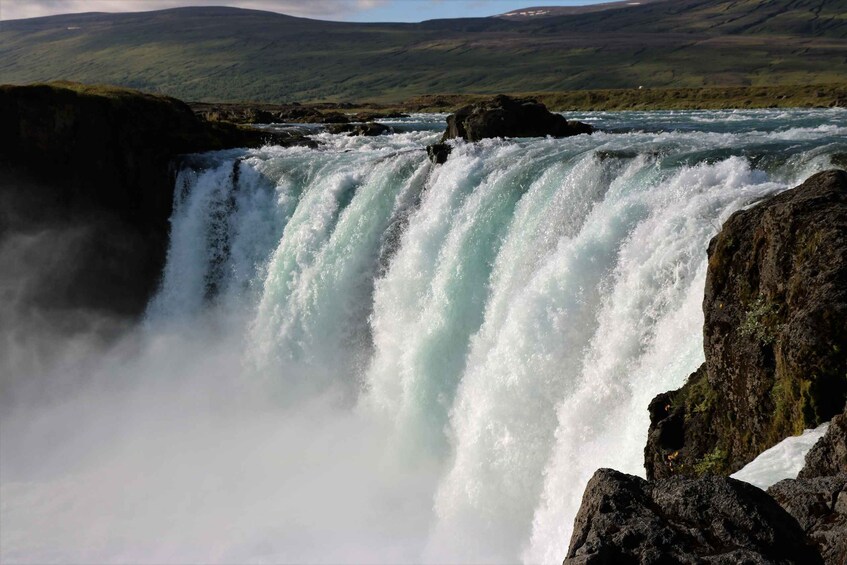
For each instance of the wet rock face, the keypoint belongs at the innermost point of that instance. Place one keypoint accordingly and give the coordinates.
(678, 422)
(775, 335)
(504, 116)
(625, 519)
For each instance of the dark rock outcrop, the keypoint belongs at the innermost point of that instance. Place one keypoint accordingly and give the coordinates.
(829, 455)
(775, 335)
(504, 116)
(370, 129)
(625, 519)
(817, 498)
(238, 115)
(374, 116)
(819, 505)
(102, 159)
(438, 152)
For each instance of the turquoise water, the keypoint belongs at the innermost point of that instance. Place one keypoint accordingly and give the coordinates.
(357, 355)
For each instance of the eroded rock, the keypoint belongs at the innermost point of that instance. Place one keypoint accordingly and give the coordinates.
(438, 152)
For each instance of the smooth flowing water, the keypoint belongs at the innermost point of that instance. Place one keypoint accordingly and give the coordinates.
(359, 356)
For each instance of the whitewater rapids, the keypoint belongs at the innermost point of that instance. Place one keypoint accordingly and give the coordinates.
(359, 356)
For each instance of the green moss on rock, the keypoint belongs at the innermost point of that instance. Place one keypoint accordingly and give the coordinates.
(775, 335)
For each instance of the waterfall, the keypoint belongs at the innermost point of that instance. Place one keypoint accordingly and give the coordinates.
(463, 344)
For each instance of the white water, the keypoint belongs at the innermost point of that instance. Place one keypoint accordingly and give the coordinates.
(357, 356)
(782, 461)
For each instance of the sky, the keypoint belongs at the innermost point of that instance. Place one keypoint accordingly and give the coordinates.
(352, 10)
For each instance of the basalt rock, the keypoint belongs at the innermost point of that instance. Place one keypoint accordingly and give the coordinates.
(374, 116)
(819, 505)
(438, 152)
(775, 335)
(370, 129)
(328, 118)
(829, 454)
(504, 116)
(103, 159)
(625, 519)
(817, 498)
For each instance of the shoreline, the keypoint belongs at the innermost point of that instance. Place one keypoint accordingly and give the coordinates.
(612, 100)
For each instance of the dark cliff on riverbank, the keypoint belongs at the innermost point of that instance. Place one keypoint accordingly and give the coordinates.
(775, 335)
(99, 163)
(775, 339)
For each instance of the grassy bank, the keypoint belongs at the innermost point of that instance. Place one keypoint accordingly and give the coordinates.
(710, 98)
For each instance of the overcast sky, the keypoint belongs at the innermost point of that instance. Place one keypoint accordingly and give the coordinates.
(357, 10)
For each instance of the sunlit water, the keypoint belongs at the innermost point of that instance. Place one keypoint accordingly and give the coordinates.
(358, 356)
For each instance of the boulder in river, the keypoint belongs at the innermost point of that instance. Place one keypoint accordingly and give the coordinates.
(503, 116)
(370, 129)
(438, 152)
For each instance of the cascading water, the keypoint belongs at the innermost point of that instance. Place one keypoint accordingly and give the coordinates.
(434, 359)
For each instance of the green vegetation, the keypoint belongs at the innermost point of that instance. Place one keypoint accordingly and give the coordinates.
(762, 321)
(805, 96)
(671, 48)
(793, 407)
(714, 463)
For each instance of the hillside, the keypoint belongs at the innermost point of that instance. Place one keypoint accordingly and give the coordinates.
(231, 54)
(535, 12)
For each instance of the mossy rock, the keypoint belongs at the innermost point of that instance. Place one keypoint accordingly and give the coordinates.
(775, 335)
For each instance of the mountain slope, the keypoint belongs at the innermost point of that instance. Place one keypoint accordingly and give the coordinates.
(232, 54)
(536, 12)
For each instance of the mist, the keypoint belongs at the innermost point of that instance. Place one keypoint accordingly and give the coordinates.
(154, 449)
(155, 441)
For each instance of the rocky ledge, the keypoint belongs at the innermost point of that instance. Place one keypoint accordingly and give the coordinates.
(101, 160)
(775, 340)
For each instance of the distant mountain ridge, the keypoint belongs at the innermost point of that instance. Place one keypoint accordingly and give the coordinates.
(536, 12)
(229, 54)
